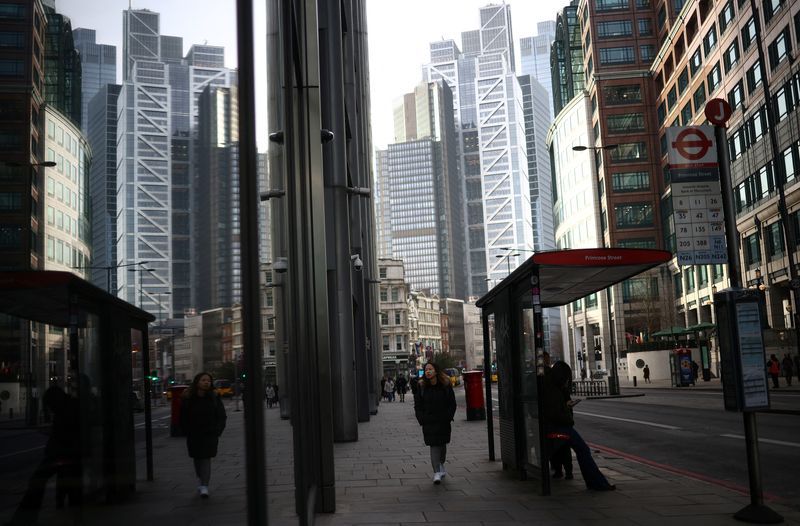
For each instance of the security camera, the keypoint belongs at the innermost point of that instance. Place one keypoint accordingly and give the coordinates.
(357, 263)
(280, 265)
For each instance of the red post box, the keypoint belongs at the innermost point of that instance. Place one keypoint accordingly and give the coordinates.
(175, 393)
(473, 390)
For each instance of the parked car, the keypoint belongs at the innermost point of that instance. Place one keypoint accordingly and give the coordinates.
(455, 376)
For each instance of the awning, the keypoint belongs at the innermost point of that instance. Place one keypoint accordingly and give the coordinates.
(57, 298)
(568, 275)
(702, 326)
(674, 331)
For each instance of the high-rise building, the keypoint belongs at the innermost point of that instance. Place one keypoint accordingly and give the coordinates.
(158, 115)
(425, 195)
(566, 58)
(62, 70)
(98, 67)
(535, 57)
(264, 230)
(102, 133)
(383, 209)
(490, 122)
(217, 229)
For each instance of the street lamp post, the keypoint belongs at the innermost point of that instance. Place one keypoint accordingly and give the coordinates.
(614, 378)
(508, 257)
(140, 270)
(108, 269)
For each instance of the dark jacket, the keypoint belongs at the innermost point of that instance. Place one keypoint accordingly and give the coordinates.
(202, 420)
(435, 407)
(556, 394)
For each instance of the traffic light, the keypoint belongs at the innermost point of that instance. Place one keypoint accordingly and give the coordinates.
(154, 375)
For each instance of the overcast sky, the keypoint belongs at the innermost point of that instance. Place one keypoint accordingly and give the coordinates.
(399, 34)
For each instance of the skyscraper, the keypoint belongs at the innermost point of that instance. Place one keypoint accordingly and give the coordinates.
(425, 195)
(98, 65)
(102, 134)
(535, 57)
(62, 69)
(383, 219)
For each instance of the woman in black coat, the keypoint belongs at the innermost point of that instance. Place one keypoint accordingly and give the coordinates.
(435, 407)
(202, 420)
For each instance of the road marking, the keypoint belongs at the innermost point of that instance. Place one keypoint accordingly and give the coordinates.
(642, 422)
(21, 452)
(766, 440)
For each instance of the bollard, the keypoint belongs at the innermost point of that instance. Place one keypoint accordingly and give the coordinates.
(634, 381)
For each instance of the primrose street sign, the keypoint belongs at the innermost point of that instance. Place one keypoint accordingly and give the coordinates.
(697, 215)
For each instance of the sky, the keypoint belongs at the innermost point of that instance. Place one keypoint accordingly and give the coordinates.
(399, 33)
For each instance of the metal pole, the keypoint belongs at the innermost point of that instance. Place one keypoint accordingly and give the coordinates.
(251, 318)
(756, 511)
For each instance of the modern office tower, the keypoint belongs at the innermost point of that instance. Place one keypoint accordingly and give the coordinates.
(98, 67)
(159, 110)
(22, 103)
(537, 121)
(62, 68)
(264, 231)
(383, 208)
(425, 196)
(217, 229)
(566, 58)
(535, 57)
(102, 133)
(714, 54)
(490, 122)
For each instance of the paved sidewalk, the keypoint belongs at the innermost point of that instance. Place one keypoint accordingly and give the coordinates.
(713, 384)
(384, 478)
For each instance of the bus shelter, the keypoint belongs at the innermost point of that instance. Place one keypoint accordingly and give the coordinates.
(511, 315)
(63, 338)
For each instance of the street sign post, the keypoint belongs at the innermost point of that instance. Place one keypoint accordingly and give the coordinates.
(696, 196)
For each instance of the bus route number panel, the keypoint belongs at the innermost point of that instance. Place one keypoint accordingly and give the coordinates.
(699, 223)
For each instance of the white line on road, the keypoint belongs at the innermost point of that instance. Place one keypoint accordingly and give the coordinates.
(766, 440)
(642, 422)
(21, 452)
(141, 424)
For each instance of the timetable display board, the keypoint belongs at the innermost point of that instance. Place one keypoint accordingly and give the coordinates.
(698, 217)
(696, 196)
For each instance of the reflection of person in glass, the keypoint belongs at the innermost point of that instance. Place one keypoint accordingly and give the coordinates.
(61, 459)
(559, 419)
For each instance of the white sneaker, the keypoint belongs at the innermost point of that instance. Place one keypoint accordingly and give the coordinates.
(442, 471)
(437, 478)
(203, 492)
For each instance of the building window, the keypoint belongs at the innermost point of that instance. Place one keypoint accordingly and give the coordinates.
(646, 242)
(637, 289)
(12, 11)
(634, 215)
(790, 163)
(731, 56)
(690, 279)
(385, 341)
(395, 294)
(618, 95)
(696, 61)
(710, 40)
(647, 52)
(736, 95)
(384, 318)
(672, 97)
(10, 201)
(384, 295)
(398, 343)
(779, 49)
(753, 77)
(783, 102)
(726, 17)
(662, 16)
(611, 5)
(268, 301)
(641, 4)
(12, 40)
(630, 181)
(10, 236)
(716, 273)
(629, 152)
(752, 252)
(678, 285)
(645, 27)
(683, 80)
(757, 126)
(617, 55)
(614, 29)
(749, 33)
(662, 112)
(774, 236)
(699, 96)
(625, 123)
(771, 8)
(382, 272)
(714, 78)
(398, 318)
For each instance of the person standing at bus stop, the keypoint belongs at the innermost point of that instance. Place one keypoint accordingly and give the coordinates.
(202, 420)
(435, 407)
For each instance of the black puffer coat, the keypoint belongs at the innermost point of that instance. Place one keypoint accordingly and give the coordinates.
(435, 407)
(202, 420)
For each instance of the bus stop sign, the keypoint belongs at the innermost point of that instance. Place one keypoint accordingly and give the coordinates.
(718, 111)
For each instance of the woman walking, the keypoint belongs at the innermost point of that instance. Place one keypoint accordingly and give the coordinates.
(202, 420)
(435, 407)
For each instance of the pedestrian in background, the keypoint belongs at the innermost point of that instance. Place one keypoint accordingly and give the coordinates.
(401, 386)
(559, 419)
(774, 370)
(202, 420)
(435, 407)
(270, 394)
(388, 389)
(787, 367)
(646, 372)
